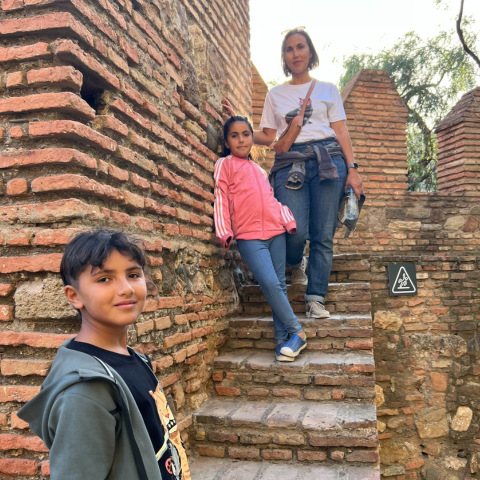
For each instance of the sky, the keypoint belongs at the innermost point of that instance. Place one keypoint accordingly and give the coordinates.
(340, 28)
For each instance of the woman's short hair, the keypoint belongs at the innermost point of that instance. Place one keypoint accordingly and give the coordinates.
(314, 61)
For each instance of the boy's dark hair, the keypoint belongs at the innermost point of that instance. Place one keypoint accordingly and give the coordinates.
(93, 248)
(314, 61)
(226, 129)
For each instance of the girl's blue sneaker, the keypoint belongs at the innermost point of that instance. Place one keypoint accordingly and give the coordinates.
(293, 346)
(282, 358)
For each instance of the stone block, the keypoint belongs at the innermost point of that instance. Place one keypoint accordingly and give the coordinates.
(432, 423)
(42, 300)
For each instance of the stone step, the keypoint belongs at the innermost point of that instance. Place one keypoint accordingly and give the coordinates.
(341, 298)
(339, 332)
(287, 431)
(312, 376)
(222, 469)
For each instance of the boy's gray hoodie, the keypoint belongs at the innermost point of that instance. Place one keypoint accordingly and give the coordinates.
(87, 417)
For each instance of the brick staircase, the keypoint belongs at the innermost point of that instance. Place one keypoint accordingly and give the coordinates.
(311, 419)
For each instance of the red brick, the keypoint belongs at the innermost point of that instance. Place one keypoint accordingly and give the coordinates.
(210, 451)
(111, 125)
(17, 132)
(28, 52)
(181, 319)
(63, 22)
(439, 381)
(159, 209)
(163, 363)
(120, 106)
(66, 77)
(12, 441)
(227, 391)
(53, 237)
(10, 5)
(76, 183)
(170, 380)
(135, 158)
(47, 155)
(170, 302)
(17, 186)
(162, 323)
(277, 454)
(144, 327)
(18, 237)
(37, 340)
(129, 50)
(15, 80)
(244, 453)
(417, 463)
(308, 456)
(18, 466)
(17, 393)
(364, 456)
(66, 102)
(140, 182)
(72, 52)
(6, 289)
(16, 422)
(71, 130)
(176, 339)
(39, 263)
(45, 468)
(6, 313)
(25, 367)
(180, 356)
(118, 61)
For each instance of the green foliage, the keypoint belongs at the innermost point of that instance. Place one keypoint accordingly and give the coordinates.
(429, 76)
(273, 83)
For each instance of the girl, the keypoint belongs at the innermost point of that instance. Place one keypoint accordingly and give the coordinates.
(315, 204)
(245, 209)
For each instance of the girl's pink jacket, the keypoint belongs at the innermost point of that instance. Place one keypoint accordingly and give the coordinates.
(245, 207)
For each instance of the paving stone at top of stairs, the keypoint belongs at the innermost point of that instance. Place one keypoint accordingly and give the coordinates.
(205, 468)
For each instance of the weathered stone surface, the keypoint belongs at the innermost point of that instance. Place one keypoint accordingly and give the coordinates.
(393, 471)
(42, 300)
(387, 320)
(455, 223)
(405, 226)
(470, 225)
(432, 423)
(379, 396)
(462, 419)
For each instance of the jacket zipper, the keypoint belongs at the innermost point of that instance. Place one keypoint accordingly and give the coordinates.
(261, 196)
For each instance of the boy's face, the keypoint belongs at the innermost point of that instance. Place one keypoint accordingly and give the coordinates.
(111, 296)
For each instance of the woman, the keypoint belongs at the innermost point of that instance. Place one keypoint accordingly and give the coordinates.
(314, 205)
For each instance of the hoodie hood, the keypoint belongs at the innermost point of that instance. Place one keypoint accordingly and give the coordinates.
(69, 367)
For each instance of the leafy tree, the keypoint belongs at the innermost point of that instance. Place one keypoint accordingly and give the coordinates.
(429, 76)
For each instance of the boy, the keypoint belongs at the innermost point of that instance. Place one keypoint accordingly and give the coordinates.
(101, 410)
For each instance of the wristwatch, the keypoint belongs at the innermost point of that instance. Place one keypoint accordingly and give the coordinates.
(352, 165)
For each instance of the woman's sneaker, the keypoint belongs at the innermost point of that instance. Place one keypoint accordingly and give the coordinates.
(282, 358)
(294, 346)
(299, 276)
(317, 310)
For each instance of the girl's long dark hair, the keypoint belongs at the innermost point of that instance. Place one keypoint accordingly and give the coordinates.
(226, 129)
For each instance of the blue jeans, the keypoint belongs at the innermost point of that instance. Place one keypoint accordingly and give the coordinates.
(314, 207)
(266, 260)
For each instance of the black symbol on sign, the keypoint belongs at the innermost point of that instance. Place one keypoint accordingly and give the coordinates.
(403, 283)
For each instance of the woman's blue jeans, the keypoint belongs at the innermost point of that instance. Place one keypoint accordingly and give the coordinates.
(314, 207)
(266, 260)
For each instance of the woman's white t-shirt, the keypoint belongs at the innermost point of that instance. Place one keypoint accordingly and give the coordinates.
(285, 101)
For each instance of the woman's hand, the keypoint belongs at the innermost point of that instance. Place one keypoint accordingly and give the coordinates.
(228, 107)
(355, 181)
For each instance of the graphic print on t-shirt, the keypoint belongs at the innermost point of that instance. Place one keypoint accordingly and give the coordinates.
(177, 465)
(293, 113)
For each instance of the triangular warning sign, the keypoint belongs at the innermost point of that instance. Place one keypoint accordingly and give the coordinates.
(403, 283)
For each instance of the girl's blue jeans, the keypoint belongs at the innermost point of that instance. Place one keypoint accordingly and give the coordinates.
(314, 207)
(266, 260)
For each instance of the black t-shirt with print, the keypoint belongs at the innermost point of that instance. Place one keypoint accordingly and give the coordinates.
(140, 380)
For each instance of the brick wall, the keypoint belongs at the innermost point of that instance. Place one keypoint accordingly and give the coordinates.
(459, 146)
(110, 116)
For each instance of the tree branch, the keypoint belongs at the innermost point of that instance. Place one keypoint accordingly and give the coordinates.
(460, 36)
